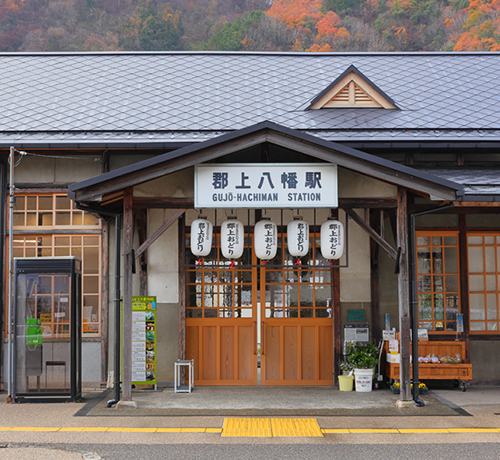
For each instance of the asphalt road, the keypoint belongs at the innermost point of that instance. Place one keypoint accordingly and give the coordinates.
(435, 451)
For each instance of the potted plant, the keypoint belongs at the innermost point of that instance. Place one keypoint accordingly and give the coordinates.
(363, 359)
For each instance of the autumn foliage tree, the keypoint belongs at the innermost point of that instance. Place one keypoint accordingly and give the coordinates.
(482, 29)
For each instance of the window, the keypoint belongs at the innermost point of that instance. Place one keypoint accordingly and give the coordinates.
(438, 281)
(483, 251)
(35, 218)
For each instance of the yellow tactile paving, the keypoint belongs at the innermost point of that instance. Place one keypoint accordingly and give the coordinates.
(247, 427)
(292, 427)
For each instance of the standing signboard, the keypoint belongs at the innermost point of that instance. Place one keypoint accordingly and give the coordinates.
(144, 340)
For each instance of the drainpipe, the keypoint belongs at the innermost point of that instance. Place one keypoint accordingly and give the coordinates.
(3, 201)
(117, 301)
(414, 300)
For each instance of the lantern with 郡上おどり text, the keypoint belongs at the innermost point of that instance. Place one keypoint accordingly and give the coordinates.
(297, 235)
(232, 238)
(266, 239)
(332, 239)
(201, 237)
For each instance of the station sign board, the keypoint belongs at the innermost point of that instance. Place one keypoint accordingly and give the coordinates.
(266, 185)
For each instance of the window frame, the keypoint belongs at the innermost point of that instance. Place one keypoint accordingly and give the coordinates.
(432, 274)
(484, 274)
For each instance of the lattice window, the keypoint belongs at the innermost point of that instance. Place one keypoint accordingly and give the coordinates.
(483, 252)
(438, 283)
(48, 225)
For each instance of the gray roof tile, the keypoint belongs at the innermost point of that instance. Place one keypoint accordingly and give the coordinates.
(440, 95)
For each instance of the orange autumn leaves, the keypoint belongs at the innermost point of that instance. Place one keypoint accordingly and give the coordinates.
(482, 29)
(306, 16)
(474, 25)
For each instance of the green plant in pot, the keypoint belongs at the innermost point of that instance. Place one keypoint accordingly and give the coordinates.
(363, 356)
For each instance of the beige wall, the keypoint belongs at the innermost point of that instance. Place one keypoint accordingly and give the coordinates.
(47, 170)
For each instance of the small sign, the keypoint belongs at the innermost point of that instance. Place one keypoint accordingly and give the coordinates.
(388, 335)
(356, 333)
(460, 323)
(394, 346)
(355, 315)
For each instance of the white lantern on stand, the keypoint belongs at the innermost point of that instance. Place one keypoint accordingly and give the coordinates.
(332, 239)
(297, 234)
(266, 239)
(201, 237)
(232, 238)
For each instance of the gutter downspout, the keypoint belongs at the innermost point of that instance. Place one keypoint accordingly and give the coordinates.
(117, 300)
(3, 201)
(414, 301)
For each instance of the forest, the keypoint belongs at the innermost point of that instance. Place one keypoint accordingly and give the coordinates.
(250, 25)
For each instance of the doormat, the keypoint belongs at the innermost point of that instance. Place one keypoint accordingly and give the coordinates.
(381, 404)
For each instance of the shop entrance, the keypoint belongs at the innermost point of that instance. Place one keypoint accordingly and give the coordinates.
(248, 323)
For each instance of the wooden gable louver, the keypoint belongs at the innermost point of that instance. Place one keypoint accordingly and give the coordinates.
(352, 90)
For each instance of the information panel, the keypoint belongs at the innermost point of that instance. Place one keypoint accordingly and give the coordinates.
(144, 340)
(289, 185)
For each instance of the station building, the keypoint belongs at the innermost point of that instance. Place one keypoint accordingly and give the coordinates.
(403, 149)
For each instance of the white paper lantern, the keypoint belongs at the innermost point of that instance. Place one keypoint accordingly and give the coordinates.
(297, 234)
(201, 237)
(332, 239)
(232, 239)
(266, 239)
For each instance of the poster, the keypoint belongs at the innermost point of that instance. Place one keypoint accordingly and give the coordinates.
(144, 340)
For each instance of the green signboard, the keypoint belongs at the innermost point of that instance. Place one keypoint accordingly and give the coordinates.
(144, 340)
(355, 315)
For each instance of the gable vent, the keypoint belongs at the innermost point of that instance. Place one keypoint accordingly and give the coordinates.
(352, 90)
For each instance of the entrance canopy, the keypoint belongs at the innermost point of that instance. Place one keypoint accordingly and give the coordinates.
(105, 192)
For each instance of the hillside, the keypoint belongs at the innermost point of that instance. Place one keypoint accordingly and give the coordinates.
(260, 25)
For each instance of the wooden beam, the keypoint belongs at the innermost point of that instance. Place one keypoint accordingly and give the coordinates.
(373, 234)
(143, 247)
(368, 203)
(404, 295)
(168, 167)
(167, 202)
(377, 171)
(188, 203)
(128, 237)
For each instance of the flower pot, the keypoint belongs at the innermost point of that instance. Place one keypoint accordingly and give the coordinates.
(363, 378)
(395, 391)
(345, 382)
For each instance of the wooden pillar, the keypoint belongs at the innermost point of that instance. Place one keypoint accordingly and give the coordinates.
(375, 223)
(404, 295)
(128, 237)
(464, 282)
(182, 286)
(337, 332)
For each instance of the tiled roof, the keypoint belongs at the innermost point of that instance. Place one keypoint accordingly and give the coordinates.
(169, 97)
(477, 182)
